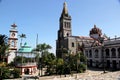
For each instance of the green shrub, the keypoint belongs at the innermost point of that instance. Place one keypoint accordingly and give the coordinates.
(11, 65)
(16, 73)
(82, 67)
(5, 72)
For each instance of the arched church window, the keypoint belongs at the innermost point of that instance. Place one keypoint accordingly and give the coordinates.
(72, 44)
(96, 53)
(119, 52)
(90, 53)
(69, 25)
(86, 53)
(12, 43)
(113, 50)
(65, 24)
(107, 53)
(67, 34)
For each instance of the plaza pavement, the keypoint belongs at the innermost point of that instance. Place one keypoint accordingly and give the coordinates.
(89, 75)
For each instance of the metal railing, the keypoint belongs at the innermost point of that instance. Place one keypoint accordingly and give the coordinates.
(27, 64)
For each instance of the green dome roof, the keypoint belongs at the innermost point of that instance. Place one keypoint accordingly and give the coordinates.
(25, 49)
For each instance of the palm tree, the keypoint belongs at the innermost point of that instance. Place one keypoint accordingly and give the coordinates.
(3, 46)
(22, 36)
(43, 47)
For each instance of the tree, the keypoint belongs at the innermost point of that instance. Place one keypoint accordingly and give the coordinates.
(5, 73)
(16, 73)
(3, 46)
(43, 50)
(59, 66)
(22, 36)
(50, 63)
(43, 47)
(83, 58)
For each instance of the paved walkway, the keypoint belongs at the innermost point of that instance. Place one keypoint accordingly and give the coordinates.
(89, 75)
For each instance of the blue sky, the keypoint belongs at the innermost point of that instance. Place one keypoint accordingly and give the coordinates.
(42, 17)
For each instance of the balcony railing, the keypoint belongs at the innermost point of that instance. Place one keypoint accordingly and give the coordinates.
(26, 64)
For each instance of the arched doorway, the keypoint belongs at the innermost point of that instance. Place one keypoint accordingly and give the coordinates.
(113, 50)
(26, 71)
(91, 63)
(118, 52)
(107, 53)
(114, 64)
(97, 64)
(96, 53)
(108, 63)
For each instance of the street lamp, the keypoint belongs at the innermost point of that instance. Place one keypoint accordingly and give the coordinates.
(101, 40)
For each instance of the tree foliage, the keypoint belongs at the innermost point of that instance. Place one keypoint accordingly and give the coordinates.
(3, 46)
(7, 73)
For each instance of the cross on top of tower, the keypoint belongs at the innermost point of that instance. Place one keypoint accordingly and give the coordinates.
(14, 25)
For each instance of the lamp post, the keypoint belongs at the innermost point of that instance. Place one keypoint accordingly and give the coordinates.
(101, 40)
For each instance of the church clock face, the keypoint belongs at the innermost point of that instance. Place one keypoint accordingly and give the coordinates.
(13, 34)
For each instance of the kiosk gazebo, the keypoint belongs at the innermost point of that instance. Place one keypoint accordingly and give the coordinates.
(26, 60)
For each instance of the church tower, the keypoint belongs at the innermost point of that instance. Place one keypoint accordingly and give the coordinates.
(64, 23)
(12, 41)
(64, 31)
(13, 37)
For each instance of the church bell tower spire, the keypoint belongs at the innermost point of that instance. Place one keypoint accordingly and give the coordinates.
(64, 30)
(65, 23)
(65, 10)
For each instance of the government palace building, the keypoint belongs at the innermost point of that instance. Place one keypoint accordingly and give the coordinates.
(100, 50)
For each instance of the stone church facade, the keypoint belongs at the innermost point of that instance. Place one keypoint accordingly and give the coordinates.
(72, 44)
(99, 54)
